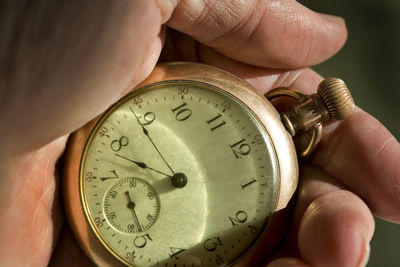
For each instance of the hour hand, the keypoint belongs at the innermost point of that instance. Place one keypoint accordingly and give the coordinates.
(141, 164)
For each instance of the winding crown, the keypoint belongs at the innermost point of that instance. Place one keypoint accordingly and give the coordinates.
(336, 98)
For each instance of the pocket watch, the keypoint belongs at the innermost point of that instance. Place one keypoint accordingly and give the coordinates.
(191, 168)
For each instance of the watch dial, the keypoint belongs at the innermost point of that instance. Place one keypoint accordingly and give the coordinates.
(179, 174)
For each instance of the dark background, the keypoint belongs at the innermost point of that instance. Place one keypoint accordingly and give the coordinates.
(370, 65)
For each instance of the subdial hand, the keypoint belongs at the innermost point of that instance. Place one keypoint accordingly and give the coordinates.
(142, 165)
(152, 142)
(131, 205)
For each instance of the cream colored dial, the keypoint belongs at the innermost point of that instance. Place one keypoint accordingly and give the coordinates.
(179, 174)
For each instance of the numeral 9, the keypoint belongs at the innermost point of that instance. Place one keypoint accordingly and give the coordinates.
(148, 118)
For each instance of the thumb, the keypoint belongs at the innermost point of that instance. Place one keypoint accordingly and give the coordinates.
(67, 61)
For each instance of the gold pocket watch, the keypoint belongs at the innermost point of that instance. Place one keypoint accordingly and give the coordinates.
(190, 168)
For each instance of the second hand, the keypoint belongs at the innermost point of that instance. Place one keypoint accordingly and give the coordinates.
(131, 206)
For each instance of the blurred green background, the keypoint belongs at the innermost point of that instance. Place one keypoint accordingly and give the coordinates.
(370, 65)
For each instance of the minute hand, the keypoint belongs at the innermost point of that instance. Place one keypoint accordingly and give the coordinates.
(152, 142)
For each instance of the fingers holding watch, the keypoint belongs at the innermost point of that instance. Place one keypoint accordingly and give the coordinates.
(330, 226)
(273, 34)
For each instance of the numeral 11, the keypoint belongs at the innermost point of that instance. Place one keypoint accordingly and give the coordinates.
(215, 122)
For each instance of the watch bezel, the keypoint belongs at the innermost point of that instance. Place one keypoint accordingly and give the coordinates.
(243, 91)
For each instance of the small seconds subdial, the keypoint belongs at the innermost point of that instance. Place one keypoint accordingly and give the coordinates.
(131, 205)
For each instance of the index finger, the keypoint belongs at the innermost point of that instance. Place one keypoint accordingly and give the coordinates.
(366, 158)
(273, 34)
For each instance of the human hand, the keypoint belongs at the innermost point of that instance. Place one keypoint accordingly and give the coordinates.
(58, 55)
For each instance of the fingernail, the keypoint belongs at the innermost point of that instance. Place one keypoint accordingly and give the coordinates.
(334, 19)
(364, 257)
(288, 262)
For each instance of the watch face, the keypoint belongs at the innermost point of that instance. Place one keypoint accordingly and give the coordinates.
(179, 173)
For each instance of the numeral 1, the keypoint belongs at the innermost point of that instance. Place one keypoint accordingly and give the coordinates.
(249, 183)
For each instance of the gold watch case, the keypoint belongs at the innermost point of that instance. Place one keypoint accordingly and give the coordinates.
(262, 109)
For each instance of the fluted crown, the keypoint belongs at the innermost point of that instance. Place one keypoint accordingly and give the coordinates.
(336, 97)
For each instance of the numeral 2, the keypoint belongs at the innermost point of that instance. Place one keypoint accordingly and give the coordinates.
(240, 217)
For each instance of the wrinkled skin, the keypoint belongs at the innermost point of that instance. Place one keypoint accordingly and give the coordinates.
(64, 62)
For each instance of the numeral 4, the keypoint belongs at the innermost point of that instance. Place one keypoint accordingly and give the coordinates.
(175, 252)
